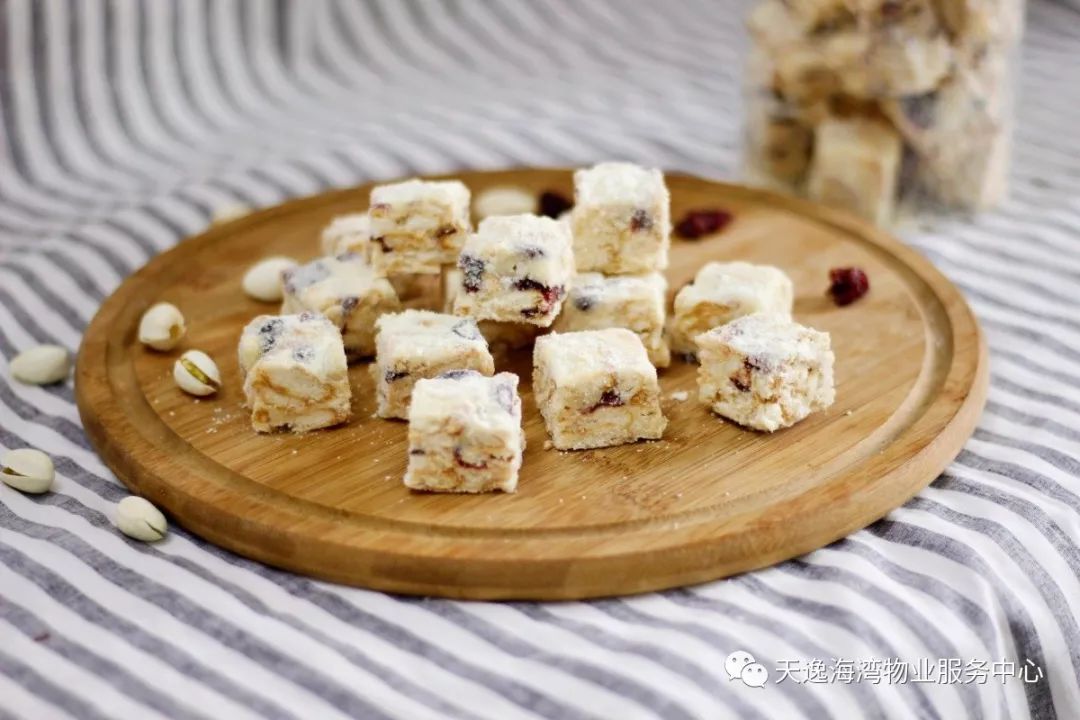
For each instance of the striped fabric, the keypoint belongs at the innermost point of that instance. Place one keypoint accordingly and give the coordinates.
(125, 123)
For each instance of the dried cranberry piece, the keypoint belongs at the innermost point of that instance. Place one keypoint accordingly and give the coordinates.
(349, 304)
(742, 379)
(472, 272)
(553, 204)
(527, 283)
(392, 375)
(553, 294)
(641, 220)
(847, 285)
(461, 461)
(550, 294)
(304, 354)
(609, 398)
(697, 223)
(754, 363)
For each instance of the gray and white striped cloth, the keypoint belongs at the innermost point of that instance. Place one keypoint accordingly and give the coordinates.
(125, 123)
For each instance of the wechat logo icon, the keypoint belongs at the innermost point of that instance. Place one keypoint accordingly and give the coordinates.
(741, 665)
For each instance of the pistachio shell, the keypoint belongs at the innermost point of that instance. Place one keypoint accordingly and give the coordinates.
(41, 365)
(28, 470)
(137, 518)
(196, 373)
(162, 327)
(262, 281)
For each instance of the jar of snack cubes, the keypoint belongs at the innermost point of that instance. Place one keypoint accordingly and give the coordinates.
(883, 106)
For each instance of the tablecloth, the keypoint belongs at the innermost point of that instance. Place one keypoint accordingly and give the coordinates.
(125, 124)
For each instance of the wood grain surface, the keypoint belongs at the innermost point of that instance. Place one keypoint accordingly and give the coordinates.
(708, 500)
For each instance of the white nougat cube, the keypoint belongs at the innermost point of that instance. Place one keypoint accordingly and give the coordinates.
(722, 292)
(347, 291)
(765, 372)
(634, 302)
(418, 344)
(465, 433)
(515, 268)
(295, 373)
(596, 388)
(621, 219)
(418, 226)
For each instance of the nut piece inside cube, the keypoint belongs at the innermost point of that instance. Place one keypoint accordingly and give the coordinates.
(295, 373)
(515, 268)
(722, 292)
(418, 226)
(634, 302)
(855, 167)
(596, 388)
(418, 344)
(465, 433)
(347, 234)
(621, 219)
(765, 371)
(501, 336)
(347, 291)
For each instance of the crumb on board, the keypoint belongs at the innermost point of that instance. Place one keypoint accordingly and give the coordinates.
(548, 444)
(680, 396)
(848, 412)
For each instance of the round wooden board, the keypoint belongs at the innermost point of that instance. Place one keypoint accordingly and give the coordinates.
(708, 500)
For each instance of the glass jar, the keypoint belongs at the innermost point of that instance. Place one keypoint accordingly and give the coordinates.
(883, 106)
